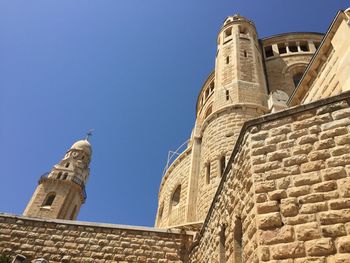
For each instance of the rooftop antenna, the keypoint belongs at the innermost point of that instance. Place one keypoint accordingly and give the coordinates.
(89, 134)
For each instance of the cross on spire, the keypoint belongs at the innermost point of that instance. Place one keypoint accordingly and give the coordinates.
(89, 134)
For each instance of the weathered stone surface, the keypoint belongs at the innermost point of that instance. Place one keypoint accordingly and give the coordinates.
(320, 247)
(289, 250)
(267, 221)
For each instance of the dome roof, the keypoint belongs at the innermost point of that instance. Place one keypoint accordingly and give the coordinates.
(83, 145)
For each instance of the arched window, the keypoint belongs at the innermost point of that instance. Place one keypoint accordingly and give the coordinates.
(59, 175)
(207, 173)
(228, 32)
(237, 239)
(65, 176)
(72, 215)
(209, 111)
(297, 77)
(49, 200)
(175, 199)
(222, 165)
(243, 30)
(67, 165)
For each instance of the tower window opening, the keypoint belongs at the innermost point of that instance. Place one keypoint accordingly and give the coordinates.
(67, 165)
(207, 93)
(207, 173)
(175, 199)
(222, 245)
(83, 157)
(304, 47)
(227, 60)
(228, 32)
(65, 176)
(212, 87)
(49, 200)
(59, 175)
(282, 48)
(296, 78)
(317, 44)
(227, 94)
(209, 111)
(245, 53)
(293, 47)
(237, 239)
(222, 164)
(269, 51)
(243, 30)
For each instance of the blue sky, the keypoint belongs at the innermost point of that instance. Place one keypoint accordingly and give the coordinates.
(131, 70)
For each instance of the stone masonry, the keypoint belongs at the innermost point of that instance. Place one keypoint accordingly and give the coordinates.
(71, 241)
(286, 191)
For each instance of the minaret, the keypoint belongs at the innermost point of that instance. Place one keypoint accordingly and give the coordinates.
(61, 192)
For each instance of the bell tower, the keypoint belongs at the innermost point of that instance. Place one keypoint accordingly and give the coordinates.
(61, 192)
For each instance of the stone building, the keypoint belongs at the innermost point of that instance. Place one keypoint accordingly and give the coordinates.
(265, 176)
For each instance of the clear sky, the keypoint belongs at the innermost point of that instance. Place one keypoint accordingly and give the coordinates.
(131, 70)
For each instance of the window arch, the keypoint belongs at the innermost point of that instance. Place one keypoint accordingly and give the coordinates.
(67, 165)
(59, 175)
(175, 198)
(297, 77)
(49, 199)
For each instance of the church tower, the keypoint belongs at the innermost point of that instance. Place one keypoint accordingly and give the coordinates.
(61, 192)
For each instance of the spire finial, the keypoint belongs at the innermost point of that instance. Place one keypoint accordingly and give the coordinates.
(89, 134)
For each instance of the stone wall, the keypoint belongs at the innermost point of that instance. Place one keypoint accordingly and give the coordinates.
(71, 241)
(285, 195)
(177, 175)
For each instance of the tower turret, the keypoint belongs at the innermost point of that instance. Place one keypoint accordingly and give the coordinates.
(61, 192)
(239, 72)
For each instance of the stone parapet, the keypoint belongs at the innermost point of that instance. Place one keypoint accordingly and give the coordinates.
(72, 241)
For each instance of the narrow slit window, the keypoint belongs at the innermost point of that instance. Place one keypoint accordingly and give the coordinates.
(65, 176)
(222, 165)
(227, 60)
(59, 175)
(67, 165)
(207, 93)
(207, 173)
(245, 53)
(212, 87)
(227, 94)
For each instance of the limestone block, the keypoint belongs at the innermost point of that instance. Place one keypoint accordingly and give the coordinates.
(319, 155)
(289, 250)
(298, 191)
(307, 178)
(333, 230)
(307, 139)
(343, 244)
(267, 207)
(312, 166)
(295, 160)
(320, 247)
(267, 221)
(334, 132)
(334, 216)
(342, 140)
(342, 258)
(324, 144)
(307, 231)
(344, 187)
(325, 186)
(289, 207)
(310, 260)
(279, 235)
(340, 114)
(266, 186)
